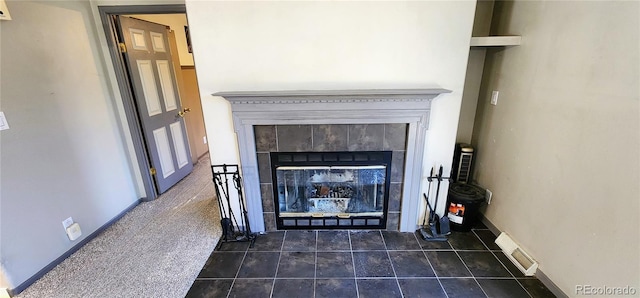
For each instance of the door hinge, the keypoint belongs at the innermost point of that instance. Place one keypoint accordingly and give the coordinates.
(123, 47)
(152, 171)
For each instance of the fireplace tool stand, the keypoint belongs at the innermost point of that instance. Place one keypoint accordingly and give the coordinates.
(226, 179)
(438, 228)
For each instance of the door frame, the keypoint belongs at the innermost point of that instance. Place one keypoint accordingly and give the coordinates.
(124, 85)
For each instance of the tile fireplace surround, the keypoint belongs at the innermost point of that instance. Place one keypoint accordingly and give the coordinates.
(388, 106)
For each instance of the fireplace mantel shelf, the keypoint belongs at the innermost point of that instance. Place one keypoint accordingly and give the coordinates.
(351, 92)
(330, 96)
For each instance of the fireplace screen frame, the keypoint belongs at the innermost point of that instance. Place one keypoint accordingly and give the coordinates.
(331, 159)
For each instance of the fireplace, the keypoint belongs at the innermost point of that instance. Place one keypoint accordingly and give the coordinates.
(318, 111)
(328, 190)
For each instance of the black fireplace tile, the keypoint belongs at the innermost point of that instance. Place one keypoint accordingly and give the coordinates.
(395, 194)
(488, 238)
(334, 265)
(222, 265)
(411, 264)
(421, 287)
(297, 264)
(299, 241)
(269, 221)
(335, 288)
(255, 288)
(432, 245)
(376, 288)
(330, 137)
(210, 288)
(292, 288)
(265, 136)
(294, 138)
(536, 288)
(271, 241)
(447, 264)
(400, 241)
(393, 221)
(397, 166)
(395, 136)
(462, 287)
(333, 240)
(502, 288)
(465, 241)
(266, 194)
(366, 240)
(264, 167)
(372, 264)
(366, 137)
(483, 264)
(259, 265)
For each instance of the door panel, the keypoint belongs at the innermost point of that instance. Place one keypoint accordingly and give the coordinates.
(178, 143)
(155, 92)
(148, 81)
(167, 85)
(164, 151)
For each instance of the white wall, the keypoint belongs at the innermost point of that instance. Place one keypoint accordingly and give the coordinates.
(560, 150)
(331, 45)
(64, 154)
(176, 21)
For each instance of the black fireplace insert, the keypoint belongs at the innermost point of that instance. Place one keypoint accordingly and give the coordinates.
(331, 190)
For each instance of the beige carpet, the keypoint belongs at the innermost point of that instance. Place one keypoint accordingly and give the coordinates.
(155, 250)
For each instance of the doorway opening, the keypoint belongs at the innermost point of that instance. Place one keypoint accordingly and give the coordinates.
(153, 61)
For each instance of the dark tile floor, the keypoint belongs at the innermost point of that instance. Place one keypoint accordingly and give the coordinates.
(363, 264)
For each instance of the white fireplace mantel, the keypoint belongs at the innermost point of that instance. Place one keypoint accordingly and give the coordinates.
(411, 106)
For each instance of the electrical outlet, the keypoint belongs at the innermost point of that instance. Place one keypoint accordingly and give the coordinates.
(487, 195)
(494, 97)
(74, 231)
(204, 139)
(67, 222)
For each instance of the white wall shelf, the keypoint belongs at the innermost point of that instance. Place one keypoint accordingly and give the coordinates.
(496, 41)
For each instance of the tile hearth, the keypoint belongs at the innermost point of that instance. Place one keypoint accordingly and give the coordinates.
(363, 264)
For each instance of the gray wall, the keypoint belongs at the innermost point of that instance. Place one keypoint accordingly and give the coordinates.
(560, 150)
(64, 155)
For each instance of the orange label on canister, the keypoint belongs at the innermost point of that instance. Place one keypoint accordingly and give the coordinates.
(457, 209)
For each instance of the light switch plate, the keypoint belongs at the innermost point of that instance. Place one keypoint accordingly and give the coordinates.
(3, 122)
(494, 97)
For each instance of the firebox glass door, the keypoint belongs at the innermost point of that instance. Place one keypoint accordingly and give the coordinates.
(327, 191)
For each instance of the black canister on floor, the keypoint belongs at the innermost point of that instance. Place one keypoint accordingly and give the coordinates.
(463, 206)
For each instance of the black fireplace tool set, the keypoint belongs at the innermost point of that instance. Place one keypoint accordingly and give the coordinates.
(226, 179)
(438, 227)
